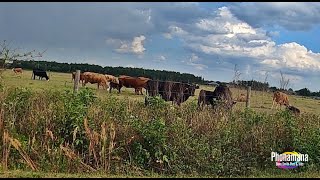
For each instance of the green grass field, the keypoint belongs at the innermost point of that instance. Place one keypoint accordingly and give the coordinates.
(246, 133)
(260, 101)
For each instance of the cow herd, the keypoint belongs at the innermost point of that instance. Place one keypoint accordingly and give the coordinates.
(177, 92)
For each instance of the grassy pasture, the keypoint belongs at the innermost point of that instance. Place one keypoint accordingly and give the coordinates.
(59, 132)
(260, 101)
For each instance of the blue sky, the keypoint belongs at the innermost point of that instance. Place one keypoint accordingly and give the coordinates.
(206, 39)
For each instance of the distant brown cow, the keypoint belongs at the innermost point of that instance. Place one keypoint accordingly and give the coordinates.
(133, 82)
(17, 70)
(93, 78)
(280, 98)
(242, 98)
(81, 77)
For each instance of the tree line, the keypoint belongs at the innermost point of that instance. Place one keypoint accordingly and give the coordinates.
(162, 75)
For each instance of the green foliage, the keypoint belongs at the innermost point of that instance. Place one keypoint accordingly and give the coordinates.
(153, 151)
(75, 110)
(172, 139)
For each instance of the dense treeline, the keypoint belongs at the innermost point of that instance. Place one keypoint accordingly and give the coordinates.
(116, 71)
(255, 85)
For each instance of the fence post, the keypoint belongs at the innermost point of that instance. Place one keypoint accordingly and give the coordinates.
(248, 96)
(76, 82)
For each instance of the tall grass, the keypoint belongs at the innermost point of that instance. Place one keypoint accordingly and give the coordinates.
(58, 131)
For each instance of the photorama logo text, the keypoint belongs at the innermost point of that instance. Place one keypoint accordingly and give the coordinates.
(289, 160)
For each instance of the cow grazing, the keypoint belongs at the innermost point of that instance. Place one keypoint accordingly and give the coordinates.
(294, 110)
(220, 96)
(17, 70)
(81, 77)
(133, 82)
(176, 92)
(40, 73)
(95, 78)
(280, 98)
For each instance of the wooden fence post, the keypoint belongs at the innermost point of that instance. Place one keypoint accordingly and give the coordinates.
(248, 96)
(76, 82)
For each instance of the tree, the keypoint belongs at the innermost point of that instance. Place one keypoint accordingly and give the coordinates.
(284, 82)
(304, 92)
(8, 54)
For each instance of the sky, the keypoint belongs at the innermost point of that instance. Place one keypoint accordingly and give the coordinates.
(207, 39)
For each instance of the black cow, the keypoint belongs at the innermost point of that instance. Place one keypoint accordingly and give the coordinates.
(206, 98)
(220, 96)
(116, 86)
(40, 73)
(294, 110)
(176, 92)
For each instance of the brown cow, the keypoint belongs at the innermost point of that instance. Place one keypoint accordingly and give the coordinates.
(111, 78)
(81, 77)
(17, 70)
(280, 98)
(93, 78)
(133, 82)
(242, 98)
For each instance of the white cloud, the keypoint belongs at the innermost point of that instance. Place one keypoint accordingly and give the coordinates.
(231, 37)
(130, 65)
(192, 62)
(162, 58)
(135, 47)
(167, 35)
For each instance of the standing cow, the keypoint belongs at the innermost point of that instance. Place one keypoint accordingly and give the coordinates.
(74, 77)
(280, 98)
(132, 82)
(40, 73)
(17, 70)
(220, 97)
(95, 78)
(176, 92)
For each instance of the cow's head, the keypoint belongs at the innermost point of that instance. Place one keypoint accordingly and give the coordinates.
(47, 78)
(190, 90)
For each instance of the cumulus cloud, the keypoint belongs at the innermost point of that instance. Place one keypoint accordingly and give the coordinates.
(135, 47)
(238, 39)
(290, 15)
